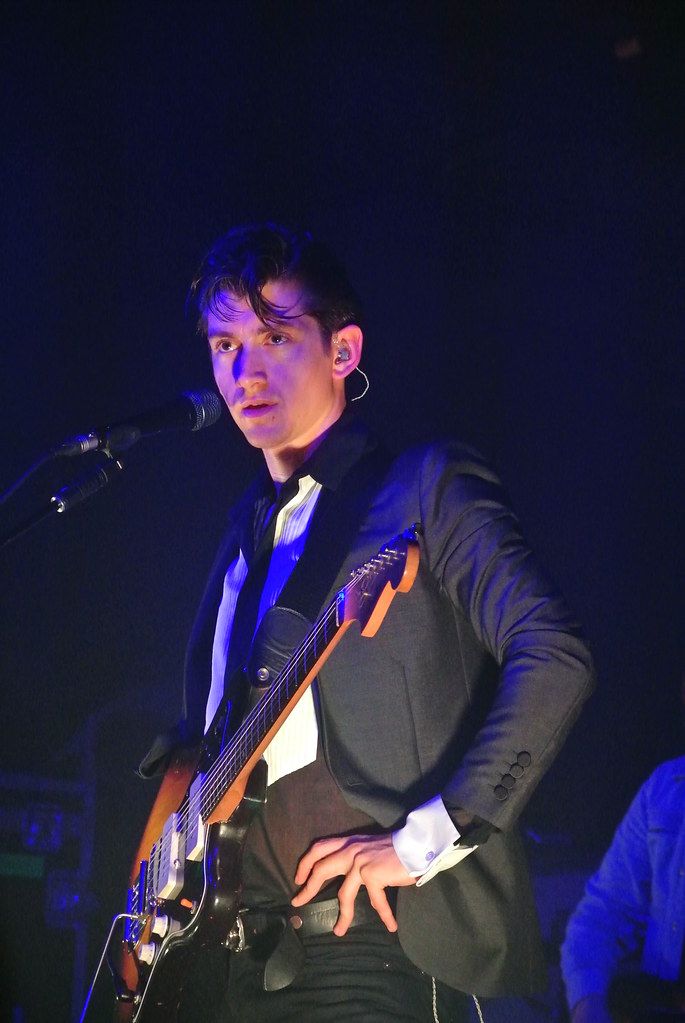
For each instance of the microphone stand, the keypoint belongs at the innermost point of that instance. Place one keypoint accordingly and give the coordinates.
(70, 495)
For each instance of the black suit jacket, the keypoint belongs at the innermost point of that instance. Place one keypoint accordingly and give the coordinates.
(469, 690)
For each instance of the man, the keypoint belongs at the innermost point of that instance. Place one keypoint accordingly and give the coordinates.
(631, 914)
(387, 838)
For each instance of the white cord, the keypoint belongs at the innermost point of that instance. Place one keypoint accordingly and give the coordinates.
(435, 1002)
(478, 1009)
(436, 1019)
(367, 385)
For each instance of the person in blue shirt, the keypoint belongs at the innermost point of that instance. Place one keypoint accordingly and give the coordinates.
(632, 914)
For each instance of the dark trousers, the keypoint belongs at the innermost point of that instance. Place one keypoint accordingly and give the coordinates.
(363, 976)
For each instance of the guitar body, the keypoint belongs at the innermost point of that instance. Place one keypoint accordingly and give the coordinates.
(206, 909)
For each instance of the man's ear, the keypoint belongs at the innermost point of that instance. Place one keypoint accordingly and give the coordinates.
(346, 346)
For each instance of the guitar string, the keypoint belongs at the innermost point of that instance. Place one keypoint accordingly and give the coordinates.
(235, 754)
(161, 850)
(232, 758)
(223, 772)
(231, 754)
(221, 767)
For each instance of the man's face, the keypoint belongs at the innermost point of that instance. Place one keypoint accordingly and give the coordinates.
(278, 380)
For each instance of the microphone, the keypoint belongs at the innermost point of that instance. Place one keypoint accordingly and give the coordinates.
(192, 410)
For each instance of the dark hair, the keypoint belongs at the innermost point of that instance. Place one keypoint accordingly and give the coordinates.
(246, 258)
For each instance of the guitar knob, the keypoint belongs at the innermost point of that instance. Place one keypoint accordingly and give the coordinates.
(146, 953)
(164, 925)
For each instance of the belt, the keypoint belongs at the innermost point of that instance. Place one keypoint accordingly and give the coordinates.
(312, 918)
(275, 935)
(320, 917)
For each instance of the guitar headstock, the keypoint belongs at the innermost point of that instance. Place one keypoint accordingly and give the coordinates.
(367, 596)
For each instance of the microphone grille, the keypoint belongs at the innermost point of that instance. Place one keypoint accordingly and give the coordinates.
(206, 408)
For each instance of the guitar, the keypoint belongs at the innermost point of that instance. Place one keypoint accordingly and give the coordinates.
(184, 892)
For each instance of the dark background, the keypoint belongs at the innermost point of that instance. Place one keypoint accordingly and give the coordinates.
(504, 181)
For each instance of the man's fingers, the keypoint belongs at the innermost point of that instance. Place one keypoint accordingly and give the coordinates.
(346, 896)
(307, 891)
(317, 871)
(379, 901)
(324, 847)
(362, 875)
(317, 878)
(360, 860)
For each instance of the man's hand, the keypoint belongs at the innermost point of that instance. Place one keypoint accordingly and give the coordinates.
(368, 860)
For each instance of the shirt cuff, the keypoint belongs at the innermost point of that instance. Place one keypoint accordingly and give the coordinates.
(427, 842)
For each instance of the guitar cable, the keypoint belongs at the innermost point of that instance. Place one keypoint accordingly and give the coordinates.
(120, 916)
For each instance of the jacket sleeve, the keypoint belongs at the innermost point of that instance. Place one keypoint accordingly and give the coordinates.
(609, 923)
(478, 556)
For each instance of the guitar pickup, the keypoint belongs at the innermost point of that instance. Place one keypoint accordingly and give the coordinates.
(171, 859)
(195, 837)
